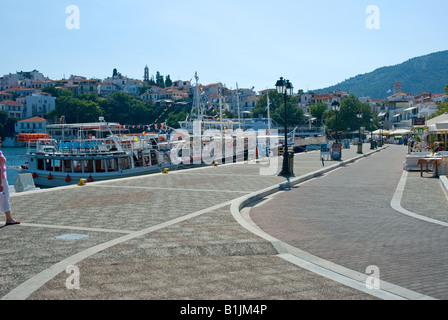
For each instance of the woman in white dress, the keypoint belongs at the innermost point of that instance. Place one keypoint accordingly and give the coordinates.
(5, 205)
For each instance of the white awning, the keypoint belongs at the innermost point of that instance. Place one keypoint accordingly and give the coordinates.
(411, 108)
(401, 132)
(440, 126)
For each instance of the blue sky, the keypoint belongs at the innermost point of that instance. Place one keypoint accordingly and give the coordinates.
(315, 43)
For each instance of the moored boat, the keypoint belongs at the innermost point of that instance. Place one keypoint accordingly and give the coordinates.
(55, 163)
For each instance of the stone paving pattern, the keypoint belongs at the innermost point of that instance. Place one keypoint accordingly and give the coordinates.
(206, 257)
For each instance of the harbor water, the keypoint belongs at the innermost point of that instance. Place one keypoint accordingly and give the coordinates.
(15, 157)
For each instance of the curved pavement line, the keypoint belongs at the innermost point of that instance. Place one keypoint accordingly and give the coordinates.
(303, 259)
(396, 203)
(348, 277)
(24, 290)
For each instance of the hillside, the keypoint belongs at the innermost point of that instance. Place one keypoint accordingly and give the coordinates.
(417, 75)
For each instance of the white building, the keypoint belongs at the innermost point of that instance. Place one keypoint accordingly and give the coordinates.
(38, 104)
(440, 98)
(180, 85)
(20, 78)
(107, 88)
(15, 109)
(426, 109)
(31, 125)
(126, 85)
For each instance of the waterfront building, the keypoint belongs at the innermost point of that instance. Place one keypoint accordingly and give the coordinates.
(38, 104)
(31, 125)
(14, 108)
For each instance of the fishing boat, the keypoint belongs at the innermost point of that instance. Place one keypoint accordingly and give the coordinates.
(60, 162)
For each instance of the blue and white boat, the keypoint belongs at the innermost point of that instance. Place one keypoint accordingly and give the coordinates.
(84, 159)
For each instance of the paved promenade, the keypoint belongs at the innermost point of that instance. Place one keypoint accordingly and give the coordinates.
(182, 235)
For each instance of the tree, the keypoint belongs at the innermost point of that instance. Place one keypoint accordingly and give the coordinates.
(442, 107)
(76, 109)
(142, 90)
(318, 110)
(56, 92)
(173, 118)
(277, 109)
(159, 80)
(7, 124)
(346, 117)
(168, 82)
(125, 109)
(115, 73)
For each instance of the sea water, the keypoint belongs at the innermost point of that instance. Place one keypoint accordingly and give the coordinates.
(15, 157)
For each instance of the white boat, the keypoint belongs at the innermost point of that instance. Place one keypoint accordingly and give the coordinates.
(55, 163)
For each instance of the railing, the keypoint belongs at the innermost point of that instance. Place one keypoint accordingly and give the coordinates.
(52, 146)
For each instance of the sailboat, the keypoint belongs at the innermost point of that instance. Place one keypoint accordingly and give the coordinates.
(198, 114)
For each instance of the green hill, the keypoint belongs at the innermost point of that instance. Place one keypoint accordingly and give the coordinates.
(417, 75)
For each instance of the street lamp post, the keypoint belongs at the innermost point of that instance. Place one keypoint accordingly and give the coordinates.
(381, 133)
(285, 88)
(372, 145)
(336, 108)
(359, 116)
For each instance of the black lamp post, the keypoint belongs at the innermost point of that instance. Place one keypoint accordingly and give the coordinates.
(382, 128)
(285, 88)
(336, 108)
(372, 145)
(359, 116)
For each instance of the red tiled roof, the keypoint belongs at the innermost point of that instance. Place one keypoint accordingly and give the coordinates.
(11, 103)
(34, 119)
(323, 97)
(252, 99)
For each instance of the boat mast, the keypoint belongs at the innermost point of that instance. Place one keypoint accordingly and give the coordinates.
(114, 138)
(196, 104)
(238, 104)
(220, 106)
(269, 113)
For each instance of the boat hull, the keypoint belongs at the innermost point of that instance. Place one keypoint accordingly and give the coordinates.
(43, 179)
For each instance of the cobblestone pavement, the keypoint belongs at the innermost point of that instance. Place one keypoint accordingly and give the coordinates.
(346, 218)
(173, 237)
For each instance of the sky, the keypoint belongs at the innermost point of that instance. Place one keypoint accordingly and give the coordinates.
(249, 43)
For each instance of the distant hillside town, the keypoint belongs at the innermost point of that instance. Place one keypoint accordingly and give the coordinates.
(23, 96)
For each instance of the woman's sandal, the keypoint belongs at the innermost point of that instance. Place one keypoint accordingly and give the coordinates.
(10, 223)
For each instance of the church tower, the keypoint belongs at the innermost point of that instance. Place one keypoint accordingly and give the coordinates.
(397, 87)
(146, 76)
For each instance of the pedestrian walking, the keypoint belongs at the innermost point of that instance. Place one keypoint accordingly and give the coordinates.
(5, 205)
